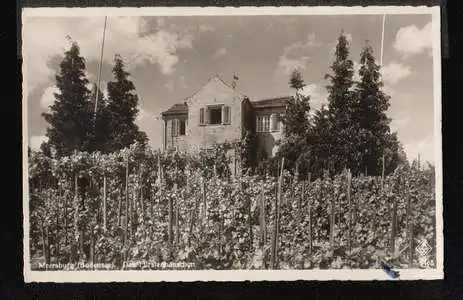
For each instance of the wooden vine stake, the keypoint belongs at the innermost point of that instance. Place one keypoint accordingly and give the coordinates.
(249, 202)
(104, 203)
(45, 244)
(193, 220)
(332, 215)
(411, 246)
(262, 215)
(177, 221)
(393, 227)
(349, 209)
(65, 217)
(409, 225)
(299, 201)
(234, 164)
(274, 257)
(119, 208)
(382, 173)
(203, 194)
(76, 216)
(170, 214)
(57, 225)
(309, 216)
(142, 201)
(159, 170)
(126, 225)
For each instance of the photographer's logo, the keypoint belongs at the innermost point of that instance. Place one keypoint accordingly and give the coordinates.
(423, 249)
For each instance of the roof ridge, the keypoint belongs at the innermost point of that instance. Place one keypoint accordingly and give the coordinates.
(217, 76)
(272, 98)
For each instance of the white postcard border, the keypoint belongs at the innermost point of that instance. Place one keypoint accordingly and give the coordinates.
(240, 275)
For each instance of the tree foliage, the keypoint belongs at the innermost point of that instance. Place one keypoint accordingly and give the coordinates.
(101, 119)
(296, 126)
(78, 121)
(351, 131)
(375, 138)
(340, 107)
(69, 118)
(122, 110)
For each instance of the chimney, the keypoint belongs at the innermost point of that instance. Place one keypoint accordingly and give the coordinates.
(235, 79)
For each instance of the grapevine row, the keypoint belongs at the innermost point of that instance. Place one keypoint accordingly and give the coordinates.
(135, 205)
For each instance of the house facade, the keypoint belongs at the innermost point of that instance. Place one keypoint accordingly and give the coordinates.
(217, 113)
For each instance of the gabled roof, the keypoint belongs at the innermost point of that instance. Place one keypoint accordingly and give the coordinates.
(272, 102)
(178, 108)
(216, 79)
(182, 108)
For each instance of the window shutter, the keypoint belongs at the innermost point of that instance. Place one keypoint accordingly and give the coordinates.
(174, 127)
(226, 114)
(201, 116)
(272, 122)
(223, 114)
(207, 116)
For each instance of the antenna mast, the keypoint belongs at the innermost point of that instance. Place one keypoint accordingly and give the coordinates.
(100, 66)
(382, 41)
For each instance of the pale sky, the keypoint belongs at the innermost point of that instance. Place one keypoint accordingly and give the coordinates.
(170, 58)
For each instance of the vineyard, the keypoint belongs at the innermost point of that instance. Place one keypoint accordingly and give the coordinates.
(138, 209)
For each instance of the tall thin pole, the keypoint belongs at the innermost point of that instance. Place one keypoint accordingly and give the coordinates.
(100, 66)
(382, 40)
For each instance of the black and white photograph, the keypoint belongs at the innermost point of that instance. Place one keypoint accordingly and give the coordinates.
(232, 144)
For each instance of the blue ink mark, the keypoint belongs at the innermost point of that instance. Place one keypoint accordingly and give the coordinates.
(388, 269)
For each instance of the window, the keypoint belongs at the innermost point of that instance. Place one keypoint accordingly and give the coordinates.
(226, 114)
(275, 121)
(182, 128)
(174, 123)
(178, 127)
(202, 121)
(215, 115)
(263, 124)
(266, 123)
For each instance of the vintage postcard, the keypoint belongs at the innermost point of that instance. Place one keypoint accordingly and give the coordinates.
(232, 144)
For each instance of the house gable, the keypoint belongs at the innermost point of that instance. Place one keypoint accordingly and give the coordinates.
(217, 113)
(214, 91)
(213, 115)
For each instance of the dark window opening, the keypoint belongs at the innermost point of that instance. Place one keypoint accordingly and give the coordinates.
(215, 115)
(182, 126)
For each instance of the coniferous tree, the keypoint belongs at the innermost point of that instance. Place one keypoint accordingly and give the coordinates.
(122, 110)
(340, 106)
(296, 121)
(294, 144)
(101, 118)
(321, 146)
(69, 119)
(375, 138)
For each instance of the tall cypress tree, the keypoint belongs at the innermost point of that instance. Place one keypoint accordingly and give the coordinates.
(101, 131)
(321, 145)
(340, 106)
(375, 137)
(122, 110)
(296, 121)
(69, 119)
(296, 130)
